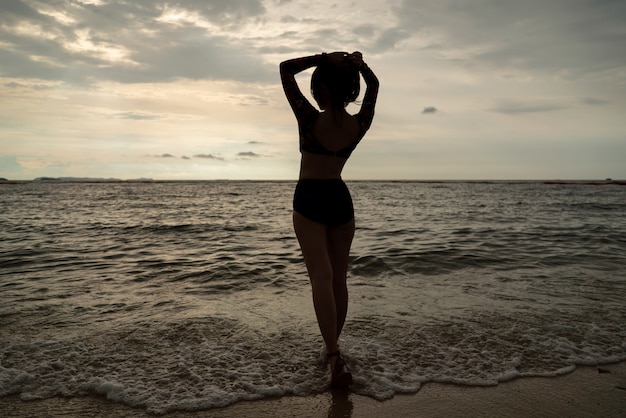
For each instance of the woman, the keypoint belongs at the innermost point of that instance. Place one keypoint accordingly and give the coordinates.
(323, 216)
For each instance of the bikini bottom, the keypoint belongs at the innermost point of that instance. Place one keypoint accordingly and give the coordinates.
(326, 201)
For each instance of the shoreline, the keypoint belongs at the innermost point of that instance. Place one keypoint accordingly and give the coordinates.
(585, 392)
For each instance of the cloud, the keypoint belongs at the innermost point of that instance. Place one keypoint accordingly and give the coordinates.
(365, 29)
(138, 41)
(218, 10)
(512, 107)
(199, 156)
(249, 154)
(208, 157)
(19, 9)
(135, 116)
(251, 100)
(593, 101)
(30, 85)
(388, 39)
(429, 109)
(203, 58)
(572, 40)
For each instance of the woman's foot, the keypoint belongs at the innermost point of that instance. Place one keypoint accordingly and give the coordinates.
(340, 376)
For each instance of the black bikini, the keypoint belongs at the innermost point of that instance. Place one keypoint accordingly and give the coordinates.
(326, 201)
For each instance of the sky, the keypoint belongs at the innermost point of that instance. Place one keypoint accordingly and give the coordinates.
(189, 89)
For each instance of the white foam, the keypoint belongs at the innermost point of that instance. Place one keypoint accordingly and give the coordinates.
(214, 362)
(11, 380)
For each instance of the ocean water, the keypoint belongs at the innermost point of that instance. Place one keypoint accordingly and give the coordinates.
(193, 295)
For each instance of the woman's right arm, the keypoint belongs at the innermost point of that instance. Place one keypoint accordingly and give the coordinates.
(288, 70)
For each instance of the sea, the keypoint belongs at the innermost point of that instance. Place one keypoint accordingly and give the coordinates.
(194, 295)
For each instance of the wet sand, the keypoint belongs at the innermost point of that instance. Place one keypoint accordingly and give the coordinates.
(587, 392)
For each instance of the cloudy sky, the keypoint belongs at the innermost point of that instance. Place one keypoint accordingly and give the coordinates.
(189, 89)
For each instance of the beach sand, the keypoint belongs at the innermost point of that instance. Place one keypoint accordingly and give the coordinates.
(586, 392)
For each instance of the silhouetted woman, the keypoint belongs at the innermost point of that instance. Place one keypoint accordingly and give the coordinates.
(323, 216)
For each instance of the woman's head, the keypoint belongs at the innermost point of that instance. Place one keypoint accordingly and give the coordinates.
(335, 85)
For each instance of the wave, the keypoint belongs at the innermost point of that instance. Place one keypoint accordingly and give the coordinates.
(211, 362)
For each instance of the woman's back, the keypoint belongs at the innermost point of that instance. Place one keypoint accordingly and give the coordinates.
(335, 135)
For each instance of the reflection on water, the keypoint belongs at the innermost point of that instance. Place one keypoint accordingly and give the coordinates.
(340, 404)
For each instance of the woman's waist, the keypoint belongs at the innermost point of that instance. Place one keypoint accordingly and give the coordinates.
(320, 167)
(321, 181)
(320, 174)
(324, 189)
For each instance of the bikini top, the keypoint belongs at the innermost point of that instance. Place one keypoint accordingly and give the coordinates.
(309, 142)
(306, 114)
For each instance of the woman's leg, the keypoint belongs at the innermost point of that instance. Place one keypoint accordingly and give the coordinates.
(313, 239)
(339, 243)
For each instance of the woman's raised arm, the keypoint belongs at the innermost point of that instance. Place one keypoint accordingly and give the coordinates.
(288, 70)
(366, 114)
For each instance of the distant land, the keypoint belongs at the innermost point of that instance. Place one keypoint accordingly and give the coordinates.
(87, 179)
(588, 182)
(76, 180)
(4, 180)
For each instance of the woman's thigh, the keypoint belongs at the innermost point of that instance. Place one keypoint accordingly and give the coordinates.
(339, 242)
(313, 239)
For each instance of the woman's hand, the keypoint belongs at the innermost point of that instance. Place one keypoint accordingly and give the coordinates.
(357, 59)
(344, 59)
(337, 59)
